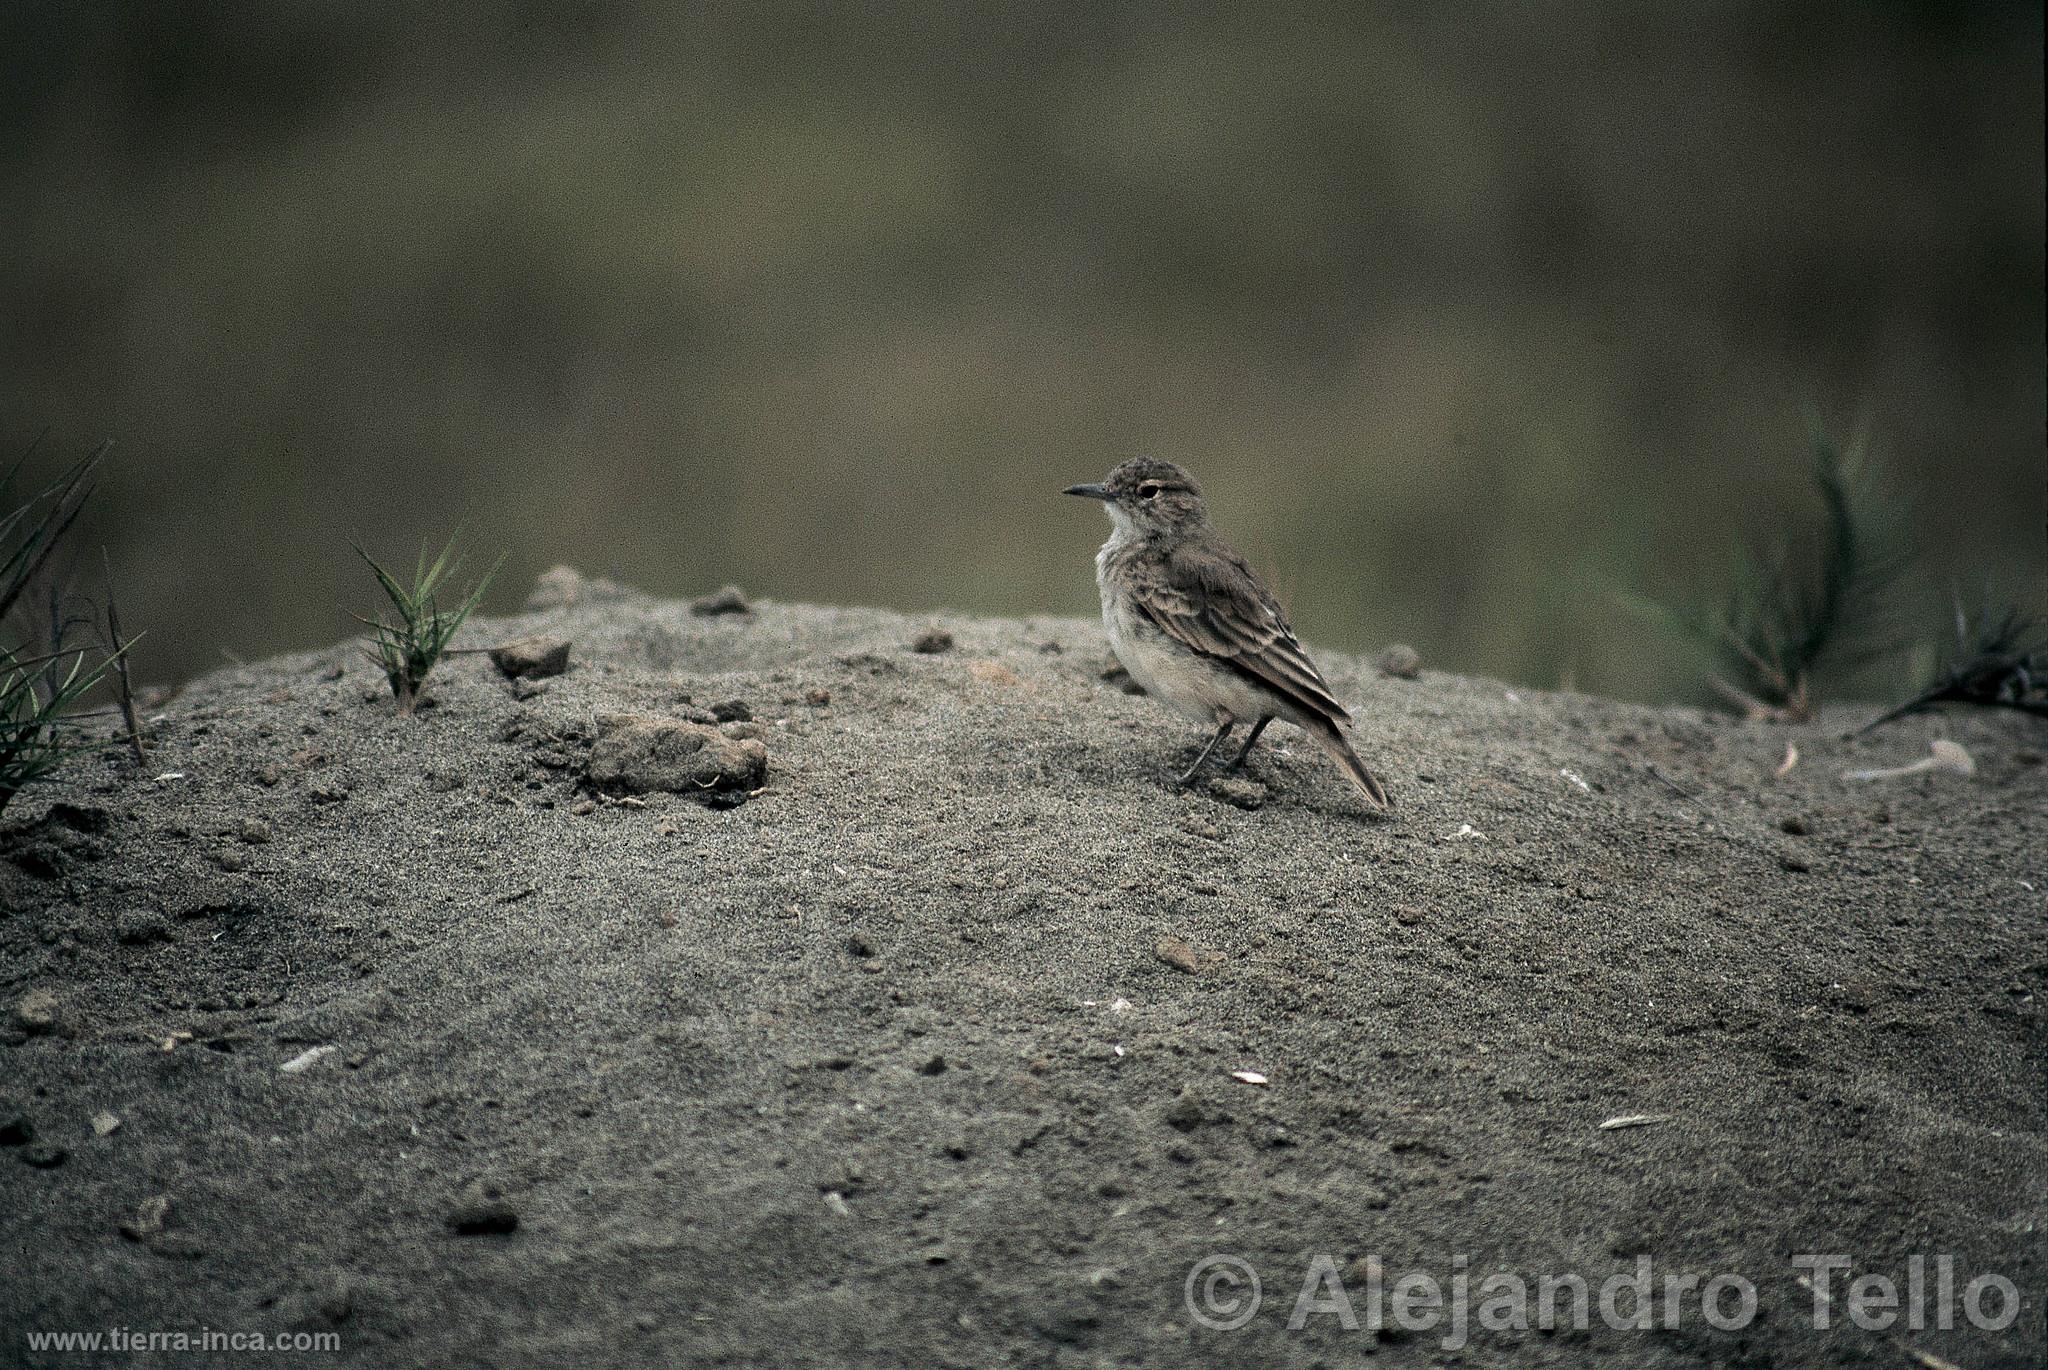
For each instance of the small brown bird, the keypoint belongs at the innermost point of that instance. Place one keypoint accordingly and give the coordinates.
(1193, 625)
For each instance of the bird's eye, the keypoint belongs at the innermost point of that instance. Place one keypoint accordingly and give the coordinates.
(1148, 491)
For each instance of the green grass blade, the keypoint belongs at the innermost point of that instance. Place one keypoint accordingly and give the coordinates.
(408, 650)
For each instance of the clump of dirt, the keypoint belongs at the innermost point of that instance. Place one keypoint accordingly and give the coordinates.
(477, 1038)
(534, 658)
(641, 754)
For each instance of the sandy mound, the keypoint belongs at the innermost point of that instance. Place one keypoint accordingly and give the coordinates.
(927, 1046)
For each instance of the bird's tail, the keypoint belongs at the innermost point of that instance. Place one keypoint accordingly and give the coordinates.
(1338, 745)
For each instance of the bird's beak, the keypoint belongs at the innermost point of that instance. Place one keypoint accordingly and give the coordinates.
(1086, 491)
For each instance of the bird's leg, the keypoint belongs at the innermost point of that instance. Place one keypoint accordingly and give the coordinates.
(1222, 731)
(1249, 743)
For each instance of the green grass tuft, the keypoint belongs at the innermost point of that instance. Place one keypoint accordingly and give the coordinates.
(37, 690)
(1785, 620)
(31, 531)
(2000, 660)
(406, 651)
(31, 712)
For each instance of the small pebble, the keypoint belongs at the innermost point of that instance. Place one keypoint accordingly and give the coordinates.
(39, 1012)
(556, 588)
(481, 1210)
(148, 1219)
(532, 657)
(177, 1246)
(725, 600)
(255, 831)
(1182, 956)
(140, 927)
(1400, 661)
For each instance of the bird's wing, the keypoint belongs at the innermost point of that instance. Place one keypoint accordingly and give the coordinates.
(1208, 598)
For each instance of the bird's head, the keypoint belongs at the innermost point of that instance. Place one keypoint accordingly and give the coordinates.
(1148, 496)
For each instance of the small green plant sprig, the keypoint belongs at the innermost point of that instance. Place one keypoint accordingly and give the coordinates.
(2000, 660)
(1783, 622)
(37, 691)
(406, 651)
(31, 708)
(31, 530)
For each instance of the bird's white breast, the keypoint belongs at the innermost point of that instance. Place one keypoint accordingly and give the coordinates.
(1169, 670)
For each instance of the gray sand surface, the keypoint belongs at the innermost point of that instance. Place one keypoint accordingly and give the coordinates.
(887, 1064)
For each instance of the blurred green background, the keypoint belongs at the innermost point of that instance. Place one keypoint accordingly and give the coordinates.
(1465, 314)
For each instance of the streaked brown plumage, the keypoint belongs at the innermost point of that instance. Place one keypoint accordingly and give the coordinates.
(1191, 622)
